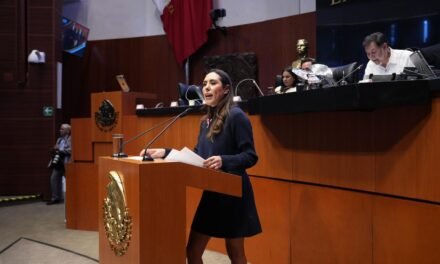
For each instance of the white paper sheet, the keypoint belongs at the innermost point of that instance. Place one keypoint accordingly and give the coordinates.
(185, 155)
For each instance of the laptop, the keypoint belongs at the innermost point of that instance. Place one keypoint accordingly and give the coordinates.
(122, 83)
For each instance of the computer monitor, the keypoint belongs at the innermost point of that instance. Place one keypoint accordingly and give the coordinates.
(422, 65)
(187, 92)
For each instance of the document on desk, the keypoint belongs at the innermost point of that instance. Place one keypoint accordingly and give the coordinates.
(185, 155)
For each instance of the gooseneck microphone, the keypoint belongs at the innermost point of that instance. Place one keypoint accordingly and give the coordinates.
(423, 75)
(237, 97)
(148, 130)
(146, 157)
(349, 74)
(118, 143)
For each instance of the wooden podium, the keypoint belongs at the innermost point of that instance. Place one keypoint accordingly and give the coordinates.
(155, 194)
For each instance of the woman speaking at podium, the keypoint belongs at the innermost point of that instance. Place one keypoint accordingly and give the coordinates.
(226, 143)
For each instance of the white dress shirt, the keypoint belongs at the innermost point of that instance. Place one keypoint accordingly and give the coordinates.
(290, 90)
(399, 59)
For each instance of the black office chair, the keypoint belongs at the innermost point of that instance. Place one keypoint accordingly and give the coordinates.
(344, 70)
(189, 92)
(432, 55)
(278, 81)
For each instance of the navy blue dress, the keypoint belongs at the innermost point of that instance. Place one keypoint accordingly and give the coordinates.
(220, 215)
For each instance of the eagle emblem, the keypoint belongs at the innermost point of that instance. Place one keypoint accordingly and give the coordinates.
(106, 118)
(117, 220)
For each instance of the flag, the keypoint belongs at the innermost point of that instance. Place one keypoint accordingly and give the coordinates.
(186, 23)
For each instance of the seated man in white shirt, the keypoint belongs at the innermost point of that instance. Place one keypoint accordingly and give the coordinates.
(383, 59)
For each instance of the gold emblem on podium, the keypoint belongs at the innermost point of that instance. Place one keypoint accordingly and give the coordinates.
(117, 221)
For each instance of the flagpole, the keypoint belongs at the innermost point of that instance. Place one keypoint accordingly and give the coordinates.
(187, 71)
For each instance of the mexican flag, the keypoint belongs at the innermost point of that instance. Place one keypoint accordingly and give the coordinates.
(186, 23)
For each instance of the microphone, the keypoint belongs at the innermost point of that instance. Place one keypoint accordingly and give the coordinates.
(199, 93)
(174, 119)
(118, 144)
(237, 98)
(423, 75)
(349, 74)
(258, 88)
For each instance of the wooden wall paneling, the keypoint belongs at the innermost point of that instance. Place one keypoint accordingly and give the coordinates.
(24, 169)
(183, 133)
(82, 147)
(102, 149)
(40, 20)
(24, 161)
(9, 18)
(405, 231)
(19, 104)
(274, 209)
(76, 96)
(273, 136)
(158, 71)
(81, 196)
(330, 226)
(10, 37)
(22, 54)
(142, 124)
(335, 148)
(131, 99)
(407, 151)
(8, 54)
(42, 78)
(428, 182)
(26, 130)
(170, 138)
(129, 124)
(190, 130)
(91, 69)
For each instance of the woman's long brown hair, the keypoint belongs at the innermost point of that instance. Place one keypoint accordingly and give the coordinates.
(219, 113)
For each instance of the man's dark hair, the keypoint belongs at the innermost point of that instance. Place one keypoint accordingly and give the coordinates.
(376, 37)
(307, 59)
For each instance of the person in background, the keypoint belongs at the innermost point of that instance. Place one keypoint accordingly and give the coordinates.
(302, 48)
(306, 64)
(289, 82)
(384, 60)
(61, 153)
(226, 143)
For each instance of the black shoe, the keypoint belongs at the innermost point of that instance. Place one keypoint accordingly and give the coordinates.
(53, 202)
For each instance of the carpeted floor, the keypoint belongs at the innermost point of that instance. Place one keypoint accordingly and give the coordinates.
(33, 232)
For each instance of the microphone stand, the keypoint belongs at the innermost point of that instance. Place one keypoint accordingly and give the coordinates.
(349, 74)
(237, 98)
(121, 153)
(423, 75)
(148, 130)
(146, 157)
